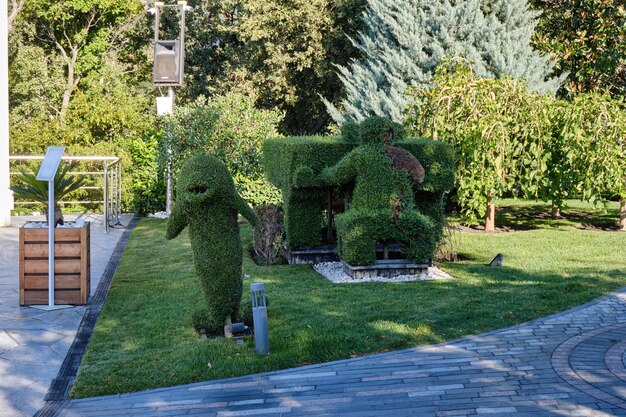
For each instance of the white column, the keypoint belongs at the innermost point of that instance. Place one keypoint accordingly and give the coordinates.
(6, 200)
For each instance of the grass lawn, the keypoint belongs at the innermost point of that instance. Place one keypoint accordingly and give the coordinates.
(144, 337)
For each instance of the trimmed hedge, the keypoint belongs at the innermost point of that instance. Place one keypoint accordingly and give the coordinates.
(294, 164)
(208, 202)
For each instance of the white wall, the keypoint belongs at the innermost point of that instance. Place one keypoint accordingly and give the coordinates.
(5, 194)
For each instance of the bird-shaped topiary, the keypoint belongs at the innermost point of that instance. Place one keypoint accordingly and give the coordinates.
(208, 202)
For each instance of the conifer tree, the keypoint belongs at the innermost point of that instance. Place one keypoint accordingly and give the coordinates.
(403, 42)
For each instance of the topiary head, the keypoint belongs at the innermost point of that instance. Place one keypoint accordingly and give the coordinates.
(380, 130)
(201, 177)
(351, 132)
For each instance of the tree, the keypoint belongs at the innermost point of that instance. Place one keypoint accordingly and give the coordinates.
(499, 130)
(588, 40)
(233, 129)
(403, 42)
(80, 31)
(278, 52)
(592, 130)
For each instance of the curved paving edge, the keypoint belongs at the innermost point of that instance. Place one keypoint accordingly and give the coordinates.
(537, 368)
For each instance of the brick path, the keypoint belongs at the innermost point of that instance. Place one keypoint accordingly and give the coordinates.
(569, 364)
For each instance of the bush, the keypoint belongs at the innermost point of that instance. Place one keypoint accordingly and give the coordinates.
(283, 159)
(147, 177)
(208, 202)
(300, 167)
(231, 128)
(267, 236)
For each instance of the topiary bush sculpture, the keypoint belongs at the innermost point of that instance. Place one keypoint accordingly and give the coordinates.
(208, 203)
(378, 167)
(382, 208)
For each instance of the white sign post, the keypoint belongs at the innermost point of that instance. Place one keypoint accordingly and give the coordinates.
(47, 172)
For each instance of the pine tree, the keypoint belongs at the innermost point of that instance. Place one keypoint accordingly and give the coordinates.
(403, 42)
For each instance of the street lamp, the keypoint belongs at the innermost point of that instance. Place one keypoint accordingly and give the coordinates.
(168, 71)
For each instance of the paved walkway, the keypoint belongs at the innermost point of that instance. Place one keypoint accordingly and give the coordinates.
(569, 364)
(33, 343)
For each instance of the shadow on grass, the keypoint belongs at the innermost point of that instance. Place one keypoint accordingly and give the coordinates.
(538, 216)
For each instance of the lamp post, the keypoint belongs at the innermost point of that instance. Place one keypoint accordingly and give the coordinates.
(168, 71)
(6, 197)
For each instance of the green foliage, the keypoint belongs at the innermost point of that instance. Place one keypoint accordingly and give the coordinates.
(208, 202)
(281, 53)
(29, 188)
(588, 40)
(592, 132)
(382, 205)
(295, 163)
(147, 177)
(231, 128)
(499, 130)
(402, 42)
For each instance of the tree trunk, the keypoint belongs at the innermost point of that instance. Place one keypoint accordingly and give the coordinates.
(622, 215)
(16, 8)
(490, 218)
(70, 84)
(58, 215)
(556, 211)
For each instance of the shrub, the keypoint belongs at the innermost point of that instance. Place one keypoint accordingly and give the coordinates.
(147, 177)
(387, 202)
(232, 129)
(29, 188)
(267, 236)
(208, 202)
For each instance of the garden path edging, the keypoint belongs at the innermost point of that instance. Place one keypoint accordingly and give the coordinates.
(61, 386)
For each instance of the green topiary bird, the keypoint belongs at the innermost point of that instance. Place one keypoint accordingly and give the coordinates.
(209, 204)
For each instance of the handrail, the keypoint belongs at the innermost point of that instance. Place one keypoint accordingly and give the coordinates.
(67, 158)
(111, 188)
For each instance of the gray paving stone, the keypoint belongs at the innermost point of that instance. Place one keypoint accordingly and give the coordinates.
(33, 343)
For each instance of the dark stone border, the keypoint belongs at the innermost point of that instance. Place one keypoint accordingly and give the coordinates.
(60, 388)
(311, 255)
(385, 269)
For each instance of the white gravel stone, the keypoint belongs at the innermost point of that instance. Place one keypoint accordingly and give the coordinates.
(66, 225)
(335, 273)
(159, 215)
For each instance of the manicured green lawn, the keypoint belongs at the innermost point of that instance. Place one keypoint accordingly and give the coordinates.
(144, 337)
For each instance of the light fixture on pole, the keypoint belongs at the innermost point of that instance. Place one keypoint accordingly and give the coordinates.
(47, 172)
(168, 70)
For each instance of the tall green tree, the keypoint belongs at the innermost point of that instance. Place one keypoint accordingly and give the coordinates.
(403, 42)
(588, 38)
(280, 52)
(79, 31)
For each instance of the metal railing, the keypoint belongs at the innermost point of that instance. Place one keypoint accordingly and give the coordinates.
(111, 187)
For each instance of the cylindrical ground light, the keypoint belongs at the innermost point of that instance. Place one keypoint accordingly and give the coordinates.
(259, 315)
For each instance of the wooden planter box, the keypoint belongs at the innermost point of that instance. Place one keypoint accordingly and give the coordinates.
(71, 265)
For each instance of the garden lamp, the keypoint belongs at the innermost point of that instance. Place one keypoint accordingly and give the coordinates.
(259, 315)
